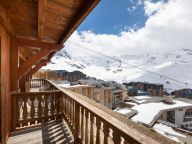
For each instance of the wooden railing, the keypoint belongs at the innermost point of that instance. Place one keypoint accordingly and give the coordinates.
(32, 108)
(42, 84)
(37, 83)
(87, 122)
(90, 124)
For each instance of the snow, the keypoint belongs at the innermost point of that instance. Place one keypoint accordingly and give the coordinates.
(148, 111)
(170, 65)
(140, 101)
(73, 86)
(142, 97)
(123, 111)
(131, 103)
(166, 64)
(63, 85)
(168, 132)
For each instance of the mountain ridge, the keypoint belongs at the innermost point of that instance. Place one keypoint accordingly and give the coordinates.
(173, 70)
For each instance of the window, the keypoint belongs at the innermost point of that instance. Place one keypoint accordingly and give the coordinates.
(188, 112)
(171, 116)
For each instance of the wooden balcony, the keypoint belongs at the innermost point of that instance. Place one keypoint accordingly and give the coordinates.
(36, 115)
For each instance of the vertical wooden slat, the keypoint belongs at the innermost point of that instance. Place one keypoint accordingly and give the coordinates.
(32, 114)
(77, 123)
(39, 109)
(82, 124)
(13, 111)
(65, 104)
(116, 137)
(46, 108)
(58, 106)
(98, 124)
(52, 106)
(18, 113)
(91, 128)
(86, 126)
(106, 133)
(24, 111)
(71, 112)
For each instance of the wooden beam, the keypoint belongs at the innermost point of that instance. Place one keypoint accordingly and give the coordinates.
(51, 55)
(41, 17)
(36, 68)
(5, 21)
(32, 61)
(85, 9)
(22, 54)
(23, 42)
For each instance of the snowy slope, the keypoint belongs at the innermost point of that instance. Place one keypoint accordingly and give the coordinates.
(177, 66)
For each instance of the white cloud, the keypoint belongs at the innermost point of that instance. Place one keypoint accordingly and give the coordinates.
(135, 4)
(131, 9)
(152, 8)
(169, 29)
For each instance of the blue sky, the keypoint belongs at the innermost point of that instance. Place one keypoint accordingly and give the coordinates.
(113, 16)
(161, 26)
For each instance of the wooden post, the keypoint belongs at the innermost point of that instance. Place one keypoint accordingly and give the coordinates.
(14, 65)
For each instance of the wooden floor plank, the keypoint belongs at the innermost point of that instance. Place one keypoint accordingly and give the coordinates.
(49, 133)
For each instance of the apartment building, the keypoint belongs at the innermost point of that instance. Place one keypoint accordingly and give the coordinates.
(101, 95)
(60, 75)
(186, 92)
(119, 95)
(151, 89)
(117, 92)
(182, 117)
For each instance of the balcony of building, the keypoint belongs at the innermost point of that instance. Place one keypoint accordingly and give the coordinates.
(38, 111)
(50, 114)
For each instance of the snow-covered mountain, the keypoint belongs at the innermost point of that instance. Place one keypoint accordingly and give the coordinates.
(174, 70)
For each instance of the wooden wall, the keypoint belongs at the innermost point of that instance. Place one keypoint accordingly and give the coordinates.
(5, 84)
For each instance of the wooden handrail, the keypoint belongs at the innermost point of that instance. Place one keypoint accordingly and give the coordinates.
(88, 122)
(87, 116)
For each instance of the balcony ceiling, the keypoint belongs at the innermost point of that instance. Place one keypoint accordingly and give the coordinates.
(48, 20)
(37, 23)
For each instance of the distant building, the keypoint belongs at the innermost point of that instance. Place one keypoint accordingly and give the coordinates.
(109, 94)
(142, 93)
(118, 91)
(118, 96)
(177, 111)
(100, 95)
(182, 117)
(187, 93)
(59, 75)
(148, 88)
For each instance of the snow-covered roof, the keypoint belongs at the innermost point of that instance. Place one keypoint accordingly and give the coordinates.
(73, 86)
(148, 112)
(168, 132)
(142, 97)
(131, 103)
(63, 85)
(123, 111)
(126, 111)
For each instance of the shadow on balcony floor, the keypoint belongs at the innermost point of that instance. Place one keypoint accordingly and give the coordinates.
(49, 133)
